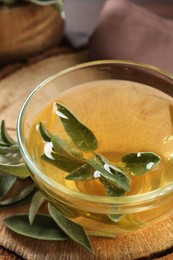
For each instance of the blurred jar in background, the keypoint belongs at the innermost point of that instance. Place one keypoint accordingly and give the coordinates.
(81, 19)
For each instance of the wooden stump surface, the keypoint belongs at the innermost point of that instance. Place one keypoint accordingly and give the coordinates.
(154, 242)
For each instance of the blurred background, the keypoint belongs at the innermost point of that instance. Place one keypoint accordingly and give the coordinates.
(36, 27)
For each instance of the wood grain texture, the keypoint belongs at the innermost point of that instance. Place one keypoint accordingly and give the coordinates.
(155, 242)
(27, 30)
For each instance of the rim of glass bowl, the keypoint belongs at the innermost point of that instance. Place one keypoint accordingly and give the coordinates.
(125, 200)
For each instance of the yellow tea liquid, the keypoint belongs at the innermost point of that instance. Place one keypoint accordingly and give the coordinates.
(125, 117)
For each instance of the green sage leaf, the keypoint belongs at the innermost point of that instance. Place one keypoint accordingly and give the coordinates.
(65, 209)
(110, 172)
(83, 173)
(74, 231)
(140, 163)
(63, 163)
(46, 135)
(43, 228)
(81, 135)
(18, 170)
(6, 183)
(62, 148)
(37, 200)
(19, 197)
(5, 137)
(112, 191)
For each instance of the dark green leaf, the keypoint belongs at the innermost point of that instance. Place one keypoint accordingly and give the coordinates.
(111, 191)
(5, 137)
(46, 135)
(74, 231)
(83, 173)
(65, 164)
(19, 197)
(140, 163)
(18, 170)
(6, 183)
(110, 172)
(37, 200)
(62, 148)
(43, 228)
(79, 133)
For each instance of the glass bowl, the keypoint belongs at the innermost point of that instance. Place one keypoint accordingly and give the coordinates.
(91, 211)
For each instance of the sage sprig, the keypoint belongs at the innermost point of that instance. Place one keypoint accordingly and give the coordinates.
(81, 135)
(116, 180)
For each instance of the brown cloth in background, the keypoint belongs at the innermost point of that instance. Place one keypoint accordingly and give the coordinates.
(131, 32)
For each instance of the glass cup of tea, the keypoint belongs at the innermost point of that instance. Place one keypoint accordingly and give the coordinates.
(129, 108)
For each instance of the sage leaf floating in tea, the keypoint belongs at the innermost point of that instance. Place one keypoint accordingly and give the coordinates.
(83, 173)
(112, 191)
(62, 148)
(63, 163)
(37, 200)
(140, 163)
(73, 230)
(110, 188)
(110, 172)
(81, 135)
(46, 135)
(44, 227)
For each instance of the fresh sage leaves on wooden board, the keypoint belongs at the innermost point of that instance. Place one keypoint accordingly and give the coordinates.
(55, 226)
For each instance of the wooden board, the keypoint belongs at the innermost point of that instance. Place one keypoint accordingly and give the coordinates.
(154, 242)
